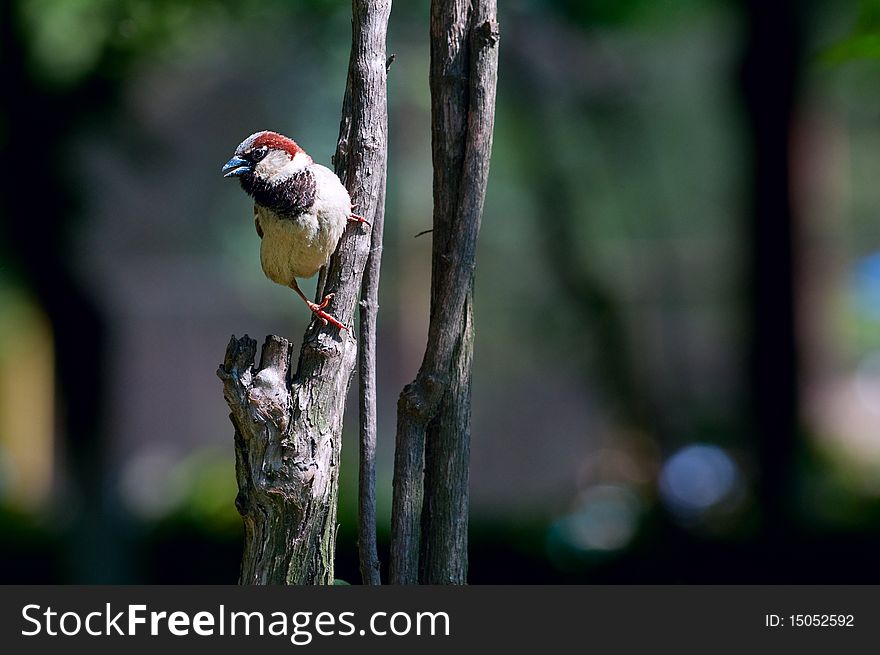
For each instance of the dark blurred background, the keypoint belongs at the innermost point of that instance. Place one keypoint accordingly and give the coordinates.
(677, 373)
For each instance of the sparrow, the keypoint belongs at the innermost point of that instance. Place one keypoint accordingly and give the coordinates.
(300, 210)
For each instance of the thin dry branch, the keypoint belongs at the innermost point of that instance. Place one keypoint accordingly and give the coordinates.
(367, 550)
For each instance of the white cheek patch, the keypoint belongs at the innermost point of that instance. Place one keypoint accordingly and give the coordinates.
(272, 164)
(300, 161)
(278, 165)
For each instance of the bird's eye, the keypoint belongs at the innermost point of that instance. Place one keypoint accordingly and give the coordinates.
(259, 153)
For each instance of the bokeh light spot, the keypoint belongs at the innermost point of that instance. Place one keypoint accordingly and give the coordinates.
(697, 478)
(605, 519)
(867, 382)
(146, 484)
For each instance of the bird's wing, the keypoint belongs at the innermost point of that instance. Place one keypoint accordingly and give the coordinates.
(257, 223)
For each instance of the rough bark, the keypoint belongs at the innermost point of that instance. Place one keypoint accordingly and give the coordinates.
(288, 426)
(368, 556)
(436, 405)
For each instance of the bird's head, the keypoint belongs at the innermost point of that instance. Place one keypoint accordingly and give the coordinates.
(268, 157)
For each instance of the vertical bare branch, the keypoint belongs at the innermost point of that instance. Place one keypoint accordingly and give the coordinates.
(368, 555)
(367, 551)
(289, 426)
(436, 405)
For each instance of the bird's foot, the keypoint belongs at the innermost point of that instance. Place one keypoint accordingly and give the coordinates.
(357, 218)
(318, 310)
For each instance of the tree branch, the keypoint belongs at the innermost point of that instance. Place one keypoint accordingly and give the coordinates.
(436, 405)
(369, 308)
(289, 427)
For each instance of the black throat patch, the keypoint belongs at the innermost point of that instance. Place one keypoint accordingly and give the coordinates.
(287, 199)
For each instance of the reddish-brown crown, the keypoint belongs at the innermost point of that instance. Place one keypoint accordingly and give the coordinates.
(275, 141)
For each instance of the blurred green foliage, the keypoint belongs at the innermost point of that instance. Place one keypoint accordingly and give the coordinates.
(863, 42)
(597, 14)
(68, 40)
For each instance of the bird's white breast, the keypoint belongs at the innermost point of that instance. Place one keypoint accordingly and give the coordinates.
(300, 246)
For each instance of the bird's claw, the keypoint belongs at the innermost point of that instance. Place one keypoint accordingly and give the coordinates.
(324, 317)
(357, 218)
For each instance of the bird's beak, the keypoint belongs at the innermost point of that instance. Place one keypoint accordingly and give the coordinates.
(235, 167)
